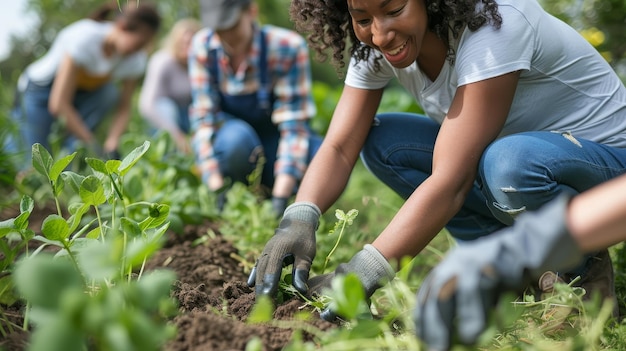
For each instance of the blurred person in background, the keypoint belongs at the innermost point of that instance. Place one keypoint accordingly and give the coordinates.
(251, 101)
(166, 91)
(75, 82)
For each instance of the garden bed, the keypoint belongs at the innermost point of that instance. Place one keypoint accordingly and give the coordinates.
(213, 297)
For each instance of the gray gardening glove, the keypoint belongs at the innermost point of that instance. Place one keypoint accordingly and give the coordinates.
(456, 297)
(292, 243)
(369, 265)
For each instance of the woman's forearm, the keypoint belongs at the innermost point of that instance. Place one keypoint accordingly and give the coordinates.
(597, 217)
(74, 123)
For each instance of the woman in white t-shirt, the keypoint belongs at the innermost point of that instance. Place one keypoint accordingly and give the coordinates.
(166, 90)
(518, 108)
(75, 81)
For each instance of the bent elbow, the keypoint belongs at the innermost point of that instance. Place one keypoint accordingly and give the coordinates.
(54, 107)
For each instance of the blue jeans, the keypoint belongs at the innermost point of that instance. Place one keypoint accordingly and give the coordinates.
(237, 147)
(35, 121)
(516, 173)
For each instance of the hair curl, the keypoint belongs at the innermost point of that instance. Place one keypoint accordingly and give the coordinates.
(329, 25)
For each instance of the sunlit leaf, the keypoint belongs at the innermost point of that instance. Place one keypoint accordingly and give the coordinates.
(91, 191)
(27, 204)
(42, 160)
(97, 165)
(73, 179)
(133, 157)
(60, 165)
(113, 166)
(54, 227)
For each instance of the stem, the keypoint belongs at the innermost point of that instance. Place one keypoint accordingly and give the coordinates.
(99, 223)
(123, 255)
(143, 265)
(343, 226)
(56, 201)
(117, 190)
(26, 316)
(73, 258)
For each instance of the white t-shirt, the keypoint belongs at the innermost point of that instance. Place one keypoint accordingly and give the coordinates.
(564, 85)
(82, 41)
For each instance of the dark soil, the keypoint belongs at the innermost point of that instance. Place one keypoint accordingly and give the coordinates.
(214, 300)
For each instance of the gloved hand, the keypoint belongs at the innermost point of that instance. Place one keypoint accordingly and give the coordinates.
(292, 243)
(456, 297)
(369, 265)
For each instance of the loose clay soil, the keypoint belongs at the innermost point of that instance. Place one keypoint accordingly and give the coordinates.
(214, 299)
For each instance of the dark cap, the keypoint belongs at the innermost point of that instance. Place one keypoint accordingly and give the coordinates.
(221, 14)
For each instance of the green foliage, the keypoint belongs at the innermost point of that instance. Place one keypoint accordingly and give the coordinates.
(122, 317)
(245, 215)
(84, 296)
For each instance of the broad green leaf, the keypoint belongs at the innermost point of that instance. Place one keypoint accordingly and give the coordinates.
(42, 160)
(113, 166)
(155, 286)
(54, 227)
(7, 226)
(130, 227)
(21, 221)
(94, 233)
(97, 165)
(8, 253)
(27, 204)
(59, 166)
(133, 157)
(138, 250)
(77, 211)
(7, 294)
(100, 260)
(133, 186)
(57, 187)
(118, 337)
(262, 311)
(47, 241)
(158, 215)
(73, 179)
(61, 335)
(91, 191)
(42, 280)
(348, 296)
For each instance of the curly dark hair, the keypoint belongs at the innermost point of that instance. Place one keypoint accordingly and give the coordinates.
(329, 25)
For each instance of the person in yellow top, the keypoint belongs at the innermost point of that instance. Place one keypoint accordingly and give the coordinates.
(75, 81)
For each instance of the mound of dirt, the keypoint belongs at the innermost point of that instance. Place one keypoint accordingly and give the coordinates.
(215, 301)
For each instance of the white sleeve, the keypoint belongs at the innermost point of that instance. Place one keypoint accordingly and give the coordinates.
(490, 52)
(132, 67)
(80, 44)
(362, 74)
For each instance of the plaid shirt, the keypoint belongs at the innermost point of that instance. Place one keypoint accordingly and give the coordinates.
(290, 75)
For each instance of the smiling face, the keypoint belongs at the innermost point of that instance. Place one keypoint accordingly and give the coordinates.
(394, 27)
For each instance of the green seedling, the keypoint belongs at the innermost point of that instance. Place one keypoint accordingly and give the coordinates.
(343, 220)
(92, 294)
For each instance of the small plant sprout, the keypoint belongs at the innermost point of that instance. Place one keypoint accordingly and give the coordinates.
(343, 220)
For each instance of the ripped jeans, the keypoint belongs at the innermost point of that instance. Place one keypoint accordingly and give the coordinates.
(517, 173)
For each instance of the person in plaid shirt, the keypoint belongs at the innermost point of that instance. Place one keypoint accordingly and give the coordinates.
(251, 101)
